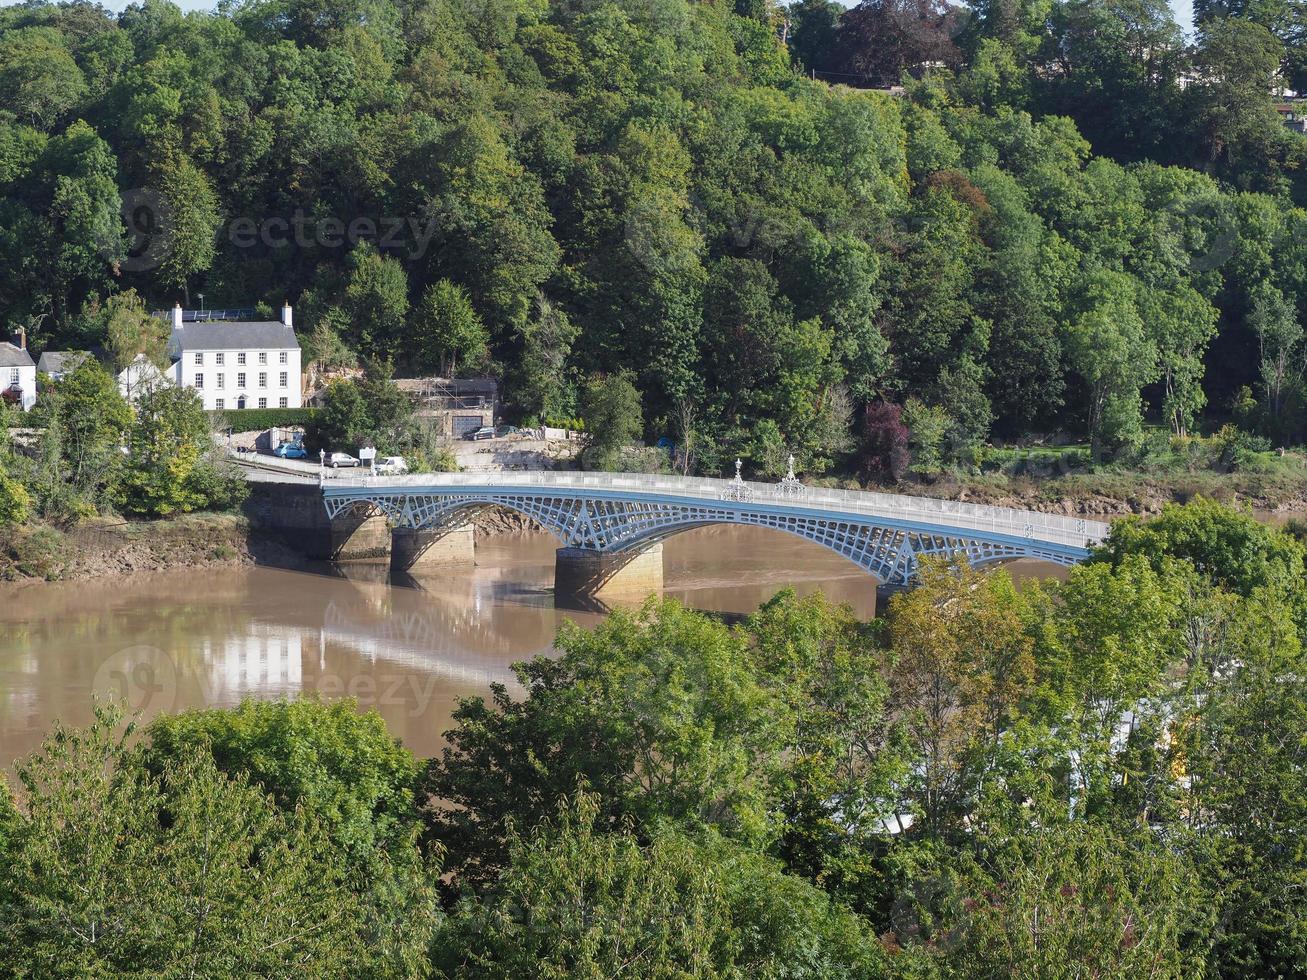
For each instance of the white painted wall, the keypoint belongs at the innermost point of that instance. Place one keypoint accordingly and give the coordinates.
(22, 377)
(221, 372)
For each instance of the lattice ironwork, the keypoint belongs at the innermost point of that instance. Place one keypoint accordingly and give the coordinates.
(887, 548)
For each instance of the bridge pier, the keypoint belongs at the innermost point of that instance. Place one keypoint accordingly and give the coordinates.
(585, 573)
(416, 551)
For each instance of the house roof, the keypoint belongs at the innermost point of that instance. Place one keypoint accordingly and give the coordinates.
(11, 356)
(55, 361)
(233, 335)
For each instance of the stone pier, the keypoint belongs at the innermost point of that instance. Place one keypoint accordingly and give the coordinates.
(417, 551)
(580, 572)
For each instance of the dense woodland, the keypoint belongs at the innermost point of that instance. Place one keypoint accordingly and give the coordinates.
(1072, 219)
(1101, 778)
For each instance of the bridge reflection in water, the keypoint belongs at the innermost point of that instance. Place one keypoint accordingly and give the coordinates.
(408, 648)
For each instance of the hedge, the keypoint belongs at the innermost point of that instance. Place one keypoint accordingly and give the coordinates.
(250, 419)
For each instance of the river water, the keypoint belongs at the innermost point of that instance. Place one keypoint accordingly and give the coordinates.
(410, 649)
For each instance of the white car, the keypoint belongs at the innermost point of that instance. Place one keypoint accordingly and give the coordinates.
(392, 466)
(341, 459)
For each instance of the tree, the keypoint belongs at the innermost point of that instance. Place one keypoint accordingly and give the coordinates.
(1279, 337)
(110, 869)
(1076, 900)
(884, 442)
(376, 300)
(1114, 357)
(1238, 60)
(328, 759)
(598, 902)
(93, 418)
(660, 713)
(169, 469)
(448, 331)
(15, 501)
(882, 39)
(963, 664)
(547, 340)
(610, 408)
(1231, 548)
(927, 427)
(131, 332)
(344, 422)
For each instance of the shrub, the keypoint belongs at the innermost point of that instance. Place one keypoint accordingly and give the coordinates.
(250, 419)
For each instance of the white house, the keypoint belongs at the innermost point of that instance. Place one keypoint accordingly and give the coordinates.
(236, 363)
(139, 377)
(17, 374)
(57, 363)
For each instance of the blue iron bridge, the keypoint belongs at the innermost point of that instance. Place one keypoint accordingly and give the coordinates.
(621, 515)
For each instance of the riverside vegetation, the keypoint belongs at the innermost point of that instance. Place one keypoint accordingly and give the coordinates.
(1103, 777)
(1072, 221)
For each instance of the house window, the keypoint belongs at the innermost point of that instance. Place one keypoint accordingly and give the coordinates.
(199, 380)
(219, 358)
(263, 403)
(281, 358)
(285, 379)
(13, 376)
(222, 380)
(281, 403)
(240, 358)
(199, 358)
(219, 403)
(240, 379)
(263, 379)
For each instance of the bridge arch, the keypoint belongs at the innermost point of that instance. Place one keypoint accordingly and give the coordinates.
(621, 527)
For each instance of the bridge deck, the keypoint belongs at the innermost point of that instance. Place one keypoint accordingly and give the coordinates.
(922, 511)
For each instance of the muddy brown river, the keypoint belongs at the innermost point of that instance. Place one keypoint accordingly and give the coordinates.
(410, 649)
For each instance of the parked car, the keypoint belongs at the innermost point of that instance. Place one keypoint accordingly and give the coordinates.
(290, 450)
(341, 459)
(485, 432)
(392, 466)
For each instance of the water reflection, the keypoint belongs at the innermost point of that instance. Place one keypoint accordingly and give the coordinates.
(409, 647)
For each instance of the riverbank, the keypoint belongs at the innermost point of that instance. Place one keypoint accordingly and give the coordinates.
(1098, 495)
(109, 547)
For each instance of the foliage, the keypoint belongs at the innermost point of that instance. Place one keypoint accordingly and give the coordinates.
(173, 468)
(343, 766)
(260, 419)
(112, 869)
(610, 411)
(578, 902)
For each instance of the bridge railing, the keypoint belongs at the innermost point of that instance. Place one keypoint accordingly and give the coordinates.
(950, 513)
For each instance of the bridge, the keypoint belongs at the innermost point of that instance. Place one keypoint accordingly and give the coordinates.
(611, 525)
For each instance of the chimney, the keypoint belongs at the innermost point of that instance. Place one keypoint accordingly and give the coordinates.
(177, 316)
(285, 314)
(20, 338)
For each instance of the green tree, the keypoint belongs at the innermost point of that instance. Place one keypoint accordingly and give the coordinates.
(1078, 900)
(447, 330)
(93, 418)
(376, 300)
(657, 712)
(927, 428)
(131, 332)
(610, 408)
(112, 870)
(170, 467)
(1111, 352)
(595, 903)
